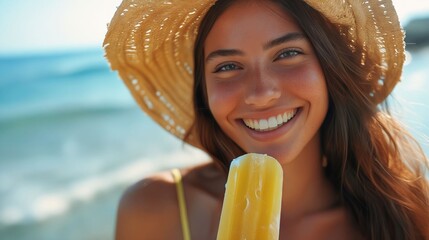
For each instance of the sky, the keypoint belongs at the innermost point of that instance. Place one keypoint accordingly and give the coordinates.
(46, 25)
(49, 25)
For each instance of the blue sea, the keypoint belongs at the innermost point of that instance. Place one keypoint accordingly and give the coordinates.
(72, 139)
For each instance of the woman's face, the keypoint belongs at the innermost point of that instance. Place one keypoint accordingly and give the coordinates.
(265, 87)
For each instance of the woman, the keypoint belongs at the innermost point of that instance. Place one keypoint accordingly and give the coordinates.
(302, 81)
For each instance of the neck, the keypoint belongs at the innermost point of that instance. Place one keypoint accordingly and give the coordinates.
(306, 190)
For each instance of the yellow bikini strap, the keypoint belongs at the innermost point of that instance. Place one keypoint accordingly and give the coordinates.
(177, 176)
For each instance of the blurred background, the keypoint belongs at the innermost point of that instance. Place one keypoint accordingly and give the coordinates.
(71, 137)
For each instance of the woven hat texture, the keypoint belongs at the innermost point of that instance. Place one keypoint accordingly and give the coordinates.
(150, 43)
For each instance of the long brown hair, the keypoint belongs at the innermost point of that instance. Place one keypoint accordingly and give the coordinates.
(375, 165)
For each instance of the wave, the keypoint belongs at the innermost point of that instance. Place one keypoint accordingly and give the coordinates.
(18, 69)
(47, 204)
(8, 121)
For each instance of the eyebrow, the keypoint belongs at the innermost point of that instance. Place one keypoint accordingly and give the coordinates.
(223, 53)
(284, 39)
(278, 41)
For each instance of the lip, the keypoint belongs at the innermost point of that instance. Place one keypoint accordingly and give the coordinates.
(272, 134)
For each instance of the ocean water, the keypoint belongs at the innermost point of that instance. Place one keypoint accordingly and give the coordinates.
(72, 139)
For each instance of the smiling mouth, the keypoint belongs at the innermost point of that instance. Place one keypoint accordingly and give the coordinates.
(271, 123)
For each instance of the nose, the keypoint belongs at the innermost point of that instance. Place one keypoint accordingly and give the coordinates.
(262, 90)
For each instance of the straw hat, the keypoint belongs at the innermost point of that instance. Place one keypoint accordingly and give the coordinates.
(150, 44)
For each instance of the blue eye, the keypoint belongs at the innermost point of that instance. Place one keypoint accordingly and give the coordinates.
(227, 67)
(288, 54)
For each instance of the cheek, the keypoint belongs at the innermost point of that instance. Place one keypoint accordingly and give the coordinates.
(309, 81)
(222, 98)
(316, 93)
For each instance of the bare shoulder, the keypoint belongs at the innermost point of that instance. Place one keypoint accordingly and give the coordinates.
(148, 207)
(204, 188)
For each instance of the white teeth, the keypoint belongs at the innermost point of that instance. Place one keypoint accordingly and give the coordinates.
(270, 123)
(247, 122)
(256, 125)
(263, 124)
(279, 118)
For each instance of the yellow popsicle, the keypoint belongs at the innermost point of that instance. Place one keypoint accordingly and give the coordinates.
(252, 202)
